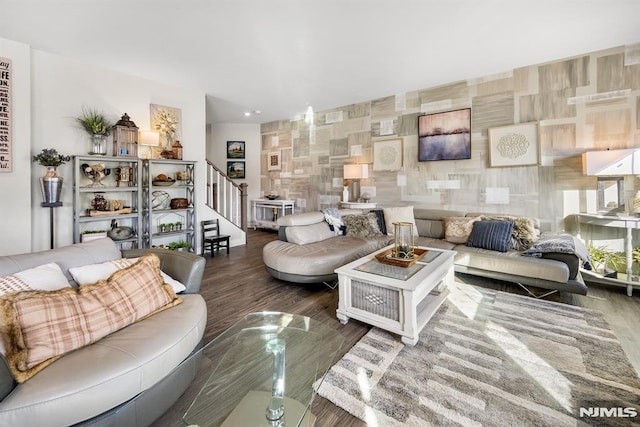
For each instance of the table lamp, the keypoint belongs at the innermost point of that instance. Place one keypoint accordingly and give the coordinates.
(353, 174)
(146, 140)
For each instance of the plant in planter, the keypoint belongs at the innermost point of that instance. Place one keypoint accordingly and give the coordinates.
(180, 245)
(88, 235)
(51, 182)
(607, 262)
(98, 127)
(177, 225)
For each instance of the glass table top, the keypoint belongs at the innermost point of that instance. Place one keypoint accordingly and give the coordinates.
(395, 272)
(265, 359)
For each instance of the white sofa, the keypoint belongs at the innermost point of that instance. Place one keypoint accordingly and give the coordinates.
(127, 378)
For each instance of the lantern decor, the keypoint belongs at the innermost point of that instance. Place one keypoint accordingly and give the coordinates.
(403, 246)
(125, 137)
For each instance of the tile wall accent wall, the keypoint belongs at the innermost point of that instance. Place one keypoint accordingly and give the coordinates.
(589, 102)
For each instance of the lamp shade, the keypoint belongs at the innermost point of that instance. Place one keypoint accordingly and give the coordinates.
(357, 171)
(611, 162)
(149, 138)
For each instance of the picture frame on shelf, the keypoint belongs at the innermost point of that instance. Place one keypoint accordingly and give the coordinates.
(235, 150)
(445, 135)
(236, 170)
(387, 155)
(514, 145)
(273, 161)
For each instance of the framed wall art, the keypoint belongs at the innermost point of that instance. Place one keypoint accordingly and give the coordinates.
(236, 170)
(444, 136)
(235, 149)
(167, 122)
(273, 161)
(387, 155)
(514, 145)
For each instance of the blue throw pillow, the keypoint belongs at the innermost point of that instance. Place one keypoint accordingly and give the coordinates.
(492, 235)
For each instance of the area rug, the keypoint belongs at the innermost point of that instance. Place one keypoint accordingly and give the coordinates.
(491, 358)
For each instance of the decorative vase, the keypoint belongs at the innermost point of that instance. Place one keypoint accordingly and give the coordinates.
(51, 185)
(98, 145)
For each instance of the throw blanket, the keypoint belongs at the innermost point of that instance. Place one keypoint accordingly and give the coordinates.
(561, 243)
(332, 216)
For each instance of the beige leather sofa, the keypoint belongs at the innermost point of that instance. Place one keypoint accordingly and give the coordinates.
(321, 253)
(128, 378)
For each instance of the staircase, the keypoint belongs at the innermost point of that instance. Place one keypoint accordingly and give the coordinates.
(226, 197)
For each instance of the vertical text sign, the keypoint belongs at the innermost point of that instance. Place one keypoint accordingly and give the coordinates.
(5, 115)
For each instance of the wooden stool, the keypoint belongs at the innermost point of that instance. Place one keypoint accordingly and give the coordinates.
(211, 238)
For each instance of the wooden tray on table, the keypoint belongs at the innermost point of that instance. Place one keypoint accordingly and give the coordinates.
(387, 257)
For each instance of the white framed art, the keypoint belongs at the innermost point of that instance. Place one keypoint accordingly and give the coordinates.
(514, 145)
(273, 161)
(387, 155)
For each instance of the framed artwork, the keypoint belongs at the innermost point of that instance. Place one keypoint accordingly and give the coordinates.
(273, 161)
(167, 121)
(444, 136)
(236, 170)
(235, 149)
(515, 145)
(610, 194)
(387, 155)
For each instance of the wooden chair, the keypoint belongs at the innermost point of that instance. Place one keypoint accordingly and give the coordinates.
(212, 240)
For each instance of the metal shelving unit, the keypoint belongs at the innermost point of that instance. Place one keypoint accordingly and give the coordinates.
(156, 209)
(127, 192)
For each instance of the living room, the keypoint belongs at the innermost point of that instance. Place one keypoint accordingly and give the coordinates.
(586, 101)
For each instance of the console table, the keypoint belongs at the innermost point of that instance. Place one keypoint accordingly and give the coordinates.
(266, 212)
(629, 223)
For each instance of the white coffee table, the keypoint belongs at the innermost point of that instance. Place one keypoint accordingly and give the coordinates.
(400, 300)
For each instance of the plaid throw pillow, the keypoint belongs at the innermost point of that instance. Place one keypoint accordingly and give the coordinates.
(39, 327)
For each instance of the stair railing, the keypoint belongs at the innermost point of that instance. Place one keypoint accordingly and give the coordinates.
(226, 197)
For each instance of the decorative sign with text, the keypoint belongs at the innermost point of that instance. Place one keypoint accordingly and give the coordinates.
(5, 115)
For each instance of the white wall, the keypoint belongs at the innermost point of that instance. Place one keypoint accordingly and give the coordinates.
(217, 154)
(15, 186)
(60, 87)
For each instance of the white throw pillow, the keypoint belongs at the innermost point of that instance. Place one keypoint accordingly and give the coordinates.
(399, 214)
(46, 277)
(90, 274)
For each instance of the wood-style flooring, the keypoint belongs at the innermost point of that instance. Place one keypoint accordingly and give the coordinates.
(237, 284)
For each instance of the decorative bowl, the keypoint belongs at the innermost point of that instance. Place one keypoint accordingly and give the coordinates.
(163, 183)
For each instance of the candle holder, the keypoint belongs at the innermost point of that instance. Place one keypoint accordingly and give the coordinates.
(403, 248)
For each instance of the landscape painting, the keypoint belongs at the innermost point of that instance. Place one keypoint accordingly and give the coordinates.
(235, 149)
(235, 170)
(445, 136)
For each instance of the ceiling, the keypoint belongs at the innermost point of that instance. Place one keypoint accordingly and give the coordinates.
(279, 56)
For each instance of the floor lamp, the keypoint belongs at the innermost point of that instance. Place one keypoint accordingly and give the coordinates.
(353, 174)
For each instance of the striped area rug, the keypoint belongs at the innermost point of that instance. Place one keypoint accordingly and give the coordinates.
(490, 358)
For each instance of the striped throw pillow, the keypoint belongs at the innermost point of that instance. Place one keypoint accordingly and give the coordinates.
(492, 235)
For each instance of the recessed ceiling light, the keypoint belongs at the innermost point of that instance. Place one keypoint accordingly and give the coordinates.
(247, 114)
(257, 111)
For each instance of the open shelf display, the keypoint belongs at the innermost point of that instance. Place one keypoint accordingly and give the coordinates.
(106, 194)
(168, 202)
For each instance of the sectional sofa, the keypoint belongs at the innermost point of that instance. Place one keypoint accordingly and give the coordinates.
(127, 378)
(307, 251)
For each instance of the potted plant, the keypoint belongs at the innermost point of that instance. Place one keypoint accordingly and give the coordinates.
(180, 245)
(98, 127)
(51, 182)
(88, 235)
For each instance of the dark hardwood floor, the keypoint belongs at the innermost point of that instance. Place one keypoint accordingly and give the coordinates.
(237, 284)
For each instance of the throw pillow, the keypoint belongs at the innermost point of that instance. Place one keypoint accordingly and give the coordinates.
(39, 327)
(361, 225)
(304, 234)
(458, 228)
(399, 214)
(46, 277)
(380, 218)
(492, 235)
(92, 273)
(334, 219)
(525, 233)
